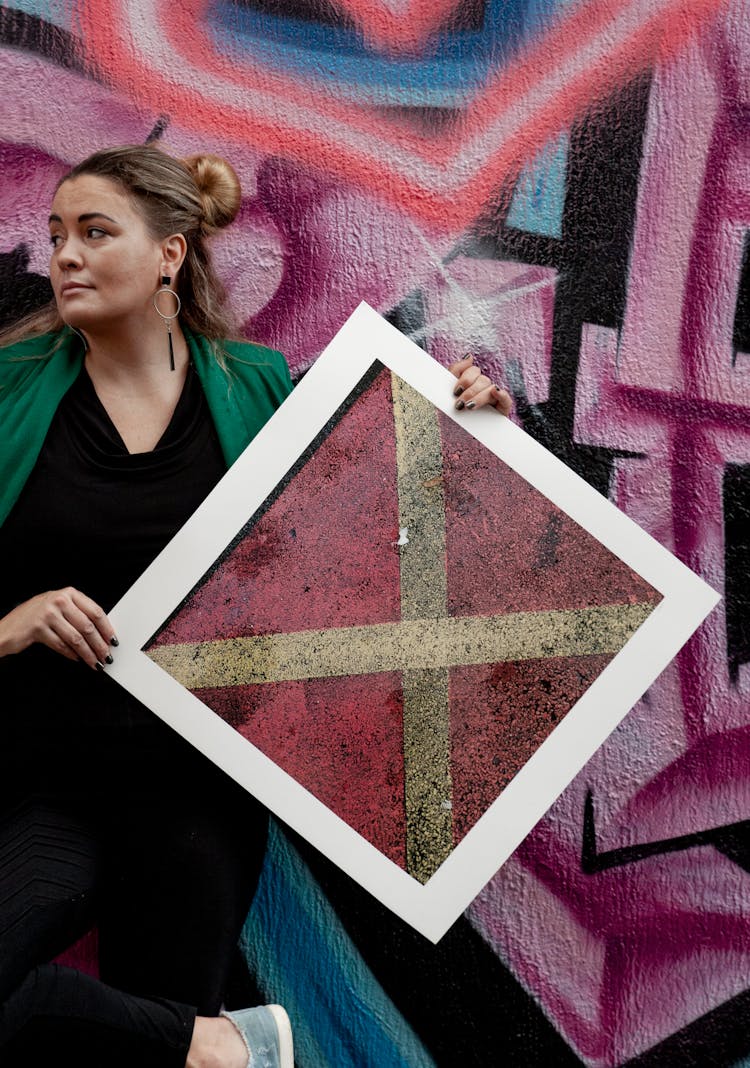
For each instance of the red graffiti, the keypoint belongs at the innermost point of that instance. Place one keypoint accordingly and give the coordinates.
(164, 60)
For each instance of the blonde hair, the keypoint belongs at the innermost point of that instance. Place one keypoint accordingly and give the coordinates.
(194, 197)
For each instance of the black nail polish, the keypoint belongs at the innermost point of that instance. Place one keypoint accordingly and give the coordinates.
(471, 404)
(458, 391)
(460, 405)
(113, 640)
(99, 666)
(108, 659)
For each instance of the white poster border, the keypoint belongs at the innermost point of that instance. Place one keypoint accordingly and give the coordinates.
(430, 908)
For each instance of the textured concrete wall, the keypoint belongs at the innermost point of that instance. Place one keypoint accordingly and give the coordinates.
(564, 190)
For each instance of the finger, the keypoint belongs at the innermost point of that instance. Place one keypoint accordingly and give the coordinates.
(480, 399)
(466, 381)
(53, 641)
(84, 628)
(502, 400)
(73, 643)
(460, 366)
(479, 385)
(484, 393)
(97, 615)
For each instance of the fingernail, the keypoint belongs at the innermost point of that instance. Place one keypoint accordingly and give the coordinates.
(458, 391)
(109, 659)
(460, 405)
(99, 666)
(471, 404)
(113, 640)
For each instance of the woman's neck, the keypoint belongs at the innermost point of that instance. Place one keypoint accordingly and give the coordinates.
(137, 355)
(134, 382)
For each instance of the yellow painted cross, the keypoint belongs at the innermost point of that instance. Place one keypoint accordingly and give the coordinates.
(423, 645)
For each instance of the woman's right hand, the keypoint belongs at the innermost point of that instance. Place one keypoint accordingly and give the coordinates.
(65, 620)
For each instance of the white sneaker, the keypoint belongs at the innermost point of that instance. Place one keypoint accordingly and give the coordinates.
(267, 1034)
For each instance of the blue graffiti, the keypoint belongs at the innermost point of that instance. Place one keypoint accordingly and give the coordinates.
(451, 69)
(303, 958)
(539, 195)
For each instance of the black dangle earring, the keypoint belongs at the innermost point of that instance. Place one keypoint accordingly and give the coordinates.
(165, 280)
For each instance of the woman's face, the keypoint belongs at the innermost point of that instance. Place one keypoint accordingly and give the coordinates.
(105, 266)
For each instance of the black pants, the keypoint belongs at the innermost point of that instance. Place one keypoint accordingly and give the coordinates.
(166, 866)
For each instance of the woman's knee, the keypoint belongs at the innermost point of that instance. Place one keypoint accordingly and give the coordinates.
(48, 881)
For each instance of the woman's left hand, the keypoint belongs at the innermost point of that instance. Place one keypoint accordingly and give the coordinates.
(475, 390)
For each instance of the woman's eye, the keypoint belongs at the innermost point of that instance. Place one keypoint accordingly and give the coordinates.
(54, 240)
(95, 232)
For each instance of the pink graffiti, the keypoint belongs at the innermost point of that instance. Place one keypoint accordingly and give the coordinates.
(163, 60)
(623, 958)
(500, 311)
(341, 246)
(41, 144)
(295, 265)
(398, 27)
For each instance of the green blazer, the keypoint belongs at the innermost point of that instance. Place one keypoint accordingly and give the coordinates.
(33, 381)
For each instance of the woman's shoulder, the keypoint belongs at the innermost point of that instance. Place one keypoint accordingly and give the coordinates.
(258, 368)
(28, 361)
(244, 361)
(253, 355)
(30, 348)
(244, 384)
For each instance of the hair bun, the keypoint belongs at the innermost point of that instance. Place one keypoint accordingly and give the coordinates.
(219, 188)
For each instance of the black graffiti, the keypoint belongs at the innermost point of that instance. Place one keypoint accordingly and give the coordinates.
(591, 259)
(716, 1040)
(465, 1005)
(32, 34)
(21, 292)
(158, 129)
(723, 838)
(741, 331)
(736, 493)
(324, 12)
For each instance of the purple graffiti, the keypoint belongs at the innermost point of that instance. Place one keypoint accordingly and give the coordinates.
(621, 959)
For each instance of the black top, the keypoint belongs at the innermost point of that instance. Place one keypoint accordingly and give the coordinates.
(93, 516)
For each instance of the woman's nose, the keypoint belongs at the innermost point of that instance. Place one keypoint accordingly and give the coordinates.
(70, 261)
(70, 255)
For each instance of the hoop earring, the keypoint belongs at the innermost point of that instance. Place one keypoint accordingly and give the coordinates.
(82, 336)
(165, 280)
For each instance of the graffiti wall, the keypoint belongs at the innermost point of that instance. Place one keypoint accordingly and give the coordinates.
(563, 189)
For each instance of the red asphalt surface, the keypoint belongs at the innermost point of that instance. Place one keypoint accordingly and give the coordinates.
(324, 556)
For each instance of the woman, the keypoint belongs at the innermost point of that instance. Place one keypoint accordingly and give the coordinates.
(121, 406)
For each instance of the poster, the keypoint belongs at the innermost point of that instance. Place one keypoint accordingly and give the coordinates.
(404, 628)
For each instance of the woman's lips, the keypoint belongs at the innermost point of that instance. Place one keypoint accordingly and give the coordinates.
(72, 287)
